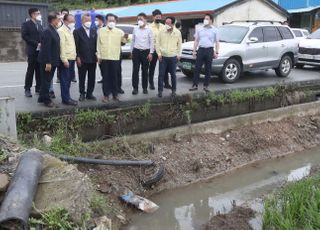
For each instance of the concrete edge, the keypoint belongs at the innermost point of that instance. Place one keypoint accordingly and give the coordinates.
(222, 125)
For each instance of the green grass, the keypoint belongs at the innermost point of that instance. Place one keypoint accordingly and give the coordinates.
(296, 206)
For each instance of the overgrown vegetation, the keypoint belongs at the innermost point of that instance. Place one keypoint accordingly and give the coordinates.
(297, 206)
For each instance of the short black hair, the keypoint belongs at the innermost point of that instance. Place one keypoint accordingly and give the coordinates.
(173, 19)
(178, 25)
(65, 17)
(32, 10)
(210, 16)
(100, 17)
(156, 12)
(64, 9)
(111, 15)
(52, 16)
(142, 15)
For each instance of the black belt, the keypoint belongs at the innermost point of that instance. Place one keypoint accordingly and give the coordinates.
(141, 50)
(205, 47)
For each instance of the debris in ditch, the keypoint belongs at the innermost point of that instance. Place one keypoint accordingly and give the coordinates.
(4, 182)
(47, 140)
(103, 223)
(139, 202)
(152, 180)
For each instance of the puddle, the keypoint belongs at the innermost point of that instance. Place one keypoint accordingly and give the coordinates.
(190, 208)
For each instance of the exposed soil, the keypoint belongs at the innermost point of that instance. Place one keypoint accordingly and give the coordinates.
(238, 218)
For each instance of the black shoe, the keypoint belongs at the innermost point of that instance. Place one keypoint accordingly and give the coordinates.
(52, 95)
(145, 91)
(116, 98)
(167, 86)
(160, 94)
(40, 100)
(121, 91)
(91, 98)
(194, 88)
(205, 88)
(82, 97)
(74, 80)
(135, 92)
(27, 93)
(50, 104)
(173, 94)
(70, 102)
(152, 87)
(100, 82)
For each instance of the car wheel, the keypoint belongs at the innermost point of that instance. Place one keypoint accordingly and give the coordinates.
(231, 71)
(187, 73)
(299, 66)
(285, 66)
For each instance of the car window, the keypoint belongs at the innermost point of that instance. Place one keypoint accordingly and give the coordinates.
(271, 34)
(232, 34)
(305, 33)
(285, 32)
(257, 32)
(315, 35)
(298, 33)
(126, 29)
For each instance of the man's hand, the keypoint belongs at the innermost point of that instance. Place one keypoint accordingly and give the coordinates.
(48, 68)
(150, 57)
(99, 61)
(194, 53)
(178, 58)
(160, 57)
(126, 36)
(78, 61)
(215, 55)
(66, 64)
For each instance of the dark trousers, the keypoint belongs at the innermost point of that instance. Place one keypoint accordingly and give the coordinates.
(110, 70)
(85, 68)
(204, 56)
(33, 68)
(152, 68)
(119, 79)
(46, 78)
(65, 80)
(171, 64)
(140, 57)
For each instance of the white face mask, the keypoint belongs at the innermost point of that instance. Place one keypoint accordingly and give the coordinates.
(168, 27)
(87, 24)
(111, 25)
(96, 23)
(71, 26)
(39, 18)
(206, 22)
(140, 23)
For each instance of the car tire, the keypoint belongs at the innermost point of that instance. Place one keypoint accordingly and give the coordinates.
(187, 73)
(299, 66)
(284, 67)
(231, 71)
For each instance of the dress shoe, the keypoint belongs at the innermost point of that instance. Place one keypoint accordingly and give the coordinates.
(27, 93)
(91, 98)
(50, 104)
(105, 99)
(70, 102)
(206, 89)
(152, 87)
(167, 86)
(145, 91)
(116, 98)
(173, 94)
(135, 92)
(52, 95)
(193, 88)
(82, 97)
(121, 91)
(160, 94)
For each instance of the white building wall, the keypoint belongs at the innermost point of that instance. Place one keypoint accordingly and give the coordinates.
(249, 10)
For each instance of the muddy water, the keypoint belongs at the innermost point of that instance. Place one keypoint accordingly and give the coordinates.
(189, 208)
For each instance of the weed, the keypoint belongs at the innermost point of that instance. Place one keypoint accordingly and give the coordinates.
(188, 116)
(23, 122)
(98, 203)
(3, 156)
(145, 110)
(91, 118)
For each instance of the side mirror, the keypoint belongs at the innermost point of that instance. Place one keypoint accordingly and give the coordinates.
(253, 40)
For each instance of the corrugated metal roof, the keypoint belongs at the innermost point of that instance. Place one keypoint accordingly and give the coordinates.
(298, 4)
(303, 10)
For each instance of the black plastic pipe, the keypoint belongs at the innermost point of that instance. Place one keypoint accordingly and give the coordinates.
(17, 204)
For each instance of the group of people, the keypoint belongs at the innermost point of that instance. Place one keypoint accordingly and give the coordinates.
(61, 46)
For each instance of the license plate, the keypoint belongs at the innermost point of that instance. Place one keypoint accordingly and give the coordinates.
(306, 56)
(186, 65)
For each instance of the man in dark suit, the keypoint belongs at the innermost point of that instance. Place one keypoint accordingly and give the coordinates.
(30, 32)
(49, 57)
(86, 46)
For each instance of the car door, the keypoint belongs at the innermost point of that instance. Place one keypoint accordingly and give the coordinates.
(274, 43)
(256, 52)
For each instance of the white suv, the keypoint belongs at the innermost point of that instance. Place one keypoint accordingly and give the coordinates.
(248, 46)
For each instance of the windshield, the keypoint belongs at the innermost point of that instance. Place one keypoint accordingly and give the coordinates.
(315, 35)
(232, 34)
(126, 29)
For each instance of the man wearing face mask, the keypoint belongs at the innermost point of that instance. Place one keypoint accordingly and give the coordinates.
(49, 58)
(31, 31)
(156, 26)
(142, 49)
(168, 48)
(108, 53)
(206, 47)
(99, 22)
(86, 45)
(68, 57)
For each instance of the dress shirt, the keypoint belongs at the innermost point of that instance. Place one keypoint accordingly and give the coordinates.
(67, 44)
(169, 43)
(109, 43)
(142, 39)
(87, 31)
(156, 27)
(206, 36)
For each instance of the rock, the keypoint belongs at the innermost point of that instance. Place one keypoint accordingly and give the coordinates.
(103, 223)
(122, 219)
(4, 181)
(222, 139)
(163, 158)
(47, 140)
(177, 138)
(228, 136)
